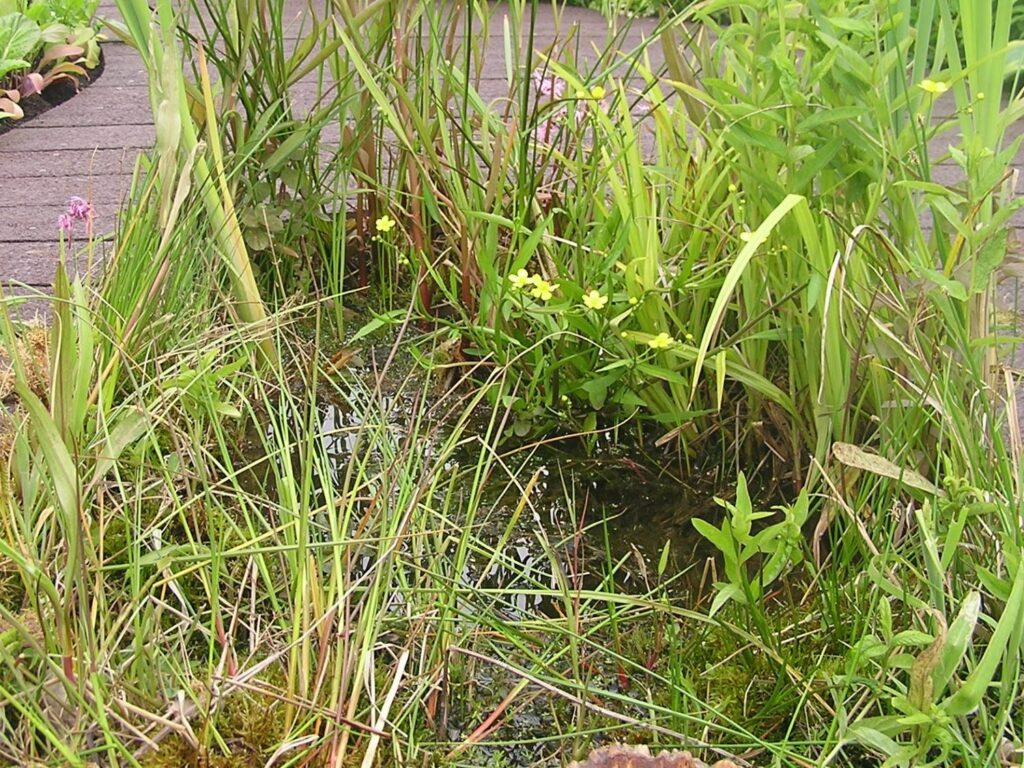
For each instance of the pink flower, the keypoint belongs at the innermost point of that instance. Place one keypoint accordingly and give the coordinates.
(548, 84)
(79, 209)
(547, 129)
(66, 223)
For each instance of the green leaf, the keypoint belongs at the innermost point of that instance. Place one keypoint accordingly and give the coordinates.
(663, 560)
(20, 38)
(720, 369)
(732, 278)
(726, 592)
(950, 286)
(970, 694)
(597, 391)
(827, 115)
(378, 322)
(131, 425)
(958, 638)
(287, 148)
(12, 65)
(988, 260)
(712, 534)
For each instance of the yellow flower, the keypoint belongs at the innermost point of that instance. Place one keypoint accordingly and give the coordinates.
(594, 300)
(661, 341)
(520, 279)
(733, 188)
(746, 237)
(542, 289)
(598, 91)
(933, 87)
(385, 223)
(633, 301)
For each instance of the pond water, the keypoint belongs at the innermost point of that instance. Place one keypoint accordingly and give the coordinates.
(596, 512)
(552, 517)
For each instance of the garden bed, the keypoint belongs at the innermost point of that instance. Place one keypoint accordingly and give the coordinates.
(57, 94)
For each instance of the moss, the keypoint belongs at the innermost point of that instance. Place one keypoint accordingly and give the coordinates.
(250, 724)
(33, 348)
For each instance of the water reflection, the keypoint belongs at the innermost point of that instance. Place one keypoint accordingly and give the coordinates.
(583, 519)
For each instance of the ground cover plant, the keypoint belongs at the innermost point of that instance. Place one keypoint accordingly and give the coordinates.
(357, 447)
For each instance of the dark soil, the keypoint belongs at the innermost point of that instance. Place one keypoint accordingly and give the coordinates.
(56, 94)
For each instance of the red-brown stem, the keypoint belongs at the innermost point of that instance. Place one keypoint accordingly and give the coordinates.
(415, 208)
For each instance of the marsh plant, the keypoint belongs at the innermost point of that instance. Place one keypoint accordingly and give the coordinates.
(258, 496)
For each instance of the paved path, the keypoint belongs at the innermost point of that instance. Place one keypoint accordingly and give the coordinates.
(88, 145)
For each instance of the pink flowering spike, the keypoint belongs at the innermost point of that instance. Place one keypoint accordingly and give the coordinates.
(548, 84)
(79, 209)
(66, 223)
(547, 129)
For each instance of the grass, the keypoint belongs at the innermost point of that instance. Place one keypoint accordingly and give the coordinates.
(279, 485)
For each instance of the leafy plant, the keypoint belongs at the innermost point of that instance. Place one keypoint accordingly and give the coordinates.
(58, 62)
(754, 556)
(20, 38)
(38, 48)
(927, 695)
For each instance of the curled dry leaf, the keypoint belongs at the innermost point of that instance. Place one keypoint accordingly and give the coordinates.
(33, 83)
(9, 109)
(55, 53)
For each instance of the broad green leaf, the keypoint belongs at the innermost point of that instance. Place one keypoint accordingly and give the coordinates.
(20, 38)
(970, 694)
(131, 425)
(732, 278)
(958, 638)
(287, 148)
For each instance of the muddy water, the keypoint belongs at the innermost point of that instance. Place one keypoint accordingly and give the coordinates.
(600, 516)
(595, 515)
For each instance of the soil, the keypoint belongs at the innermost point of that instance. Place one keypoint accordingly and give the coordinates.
(56, 94)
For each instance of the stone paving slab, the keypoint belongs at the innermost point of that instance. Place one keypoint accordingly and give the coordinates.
(39, 136)
(42, 164)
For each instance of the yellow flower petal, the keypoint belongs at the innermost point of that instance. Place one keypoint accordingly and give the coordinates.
(935, 88)
(520, 279)
(594, 300)
(661, 341)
